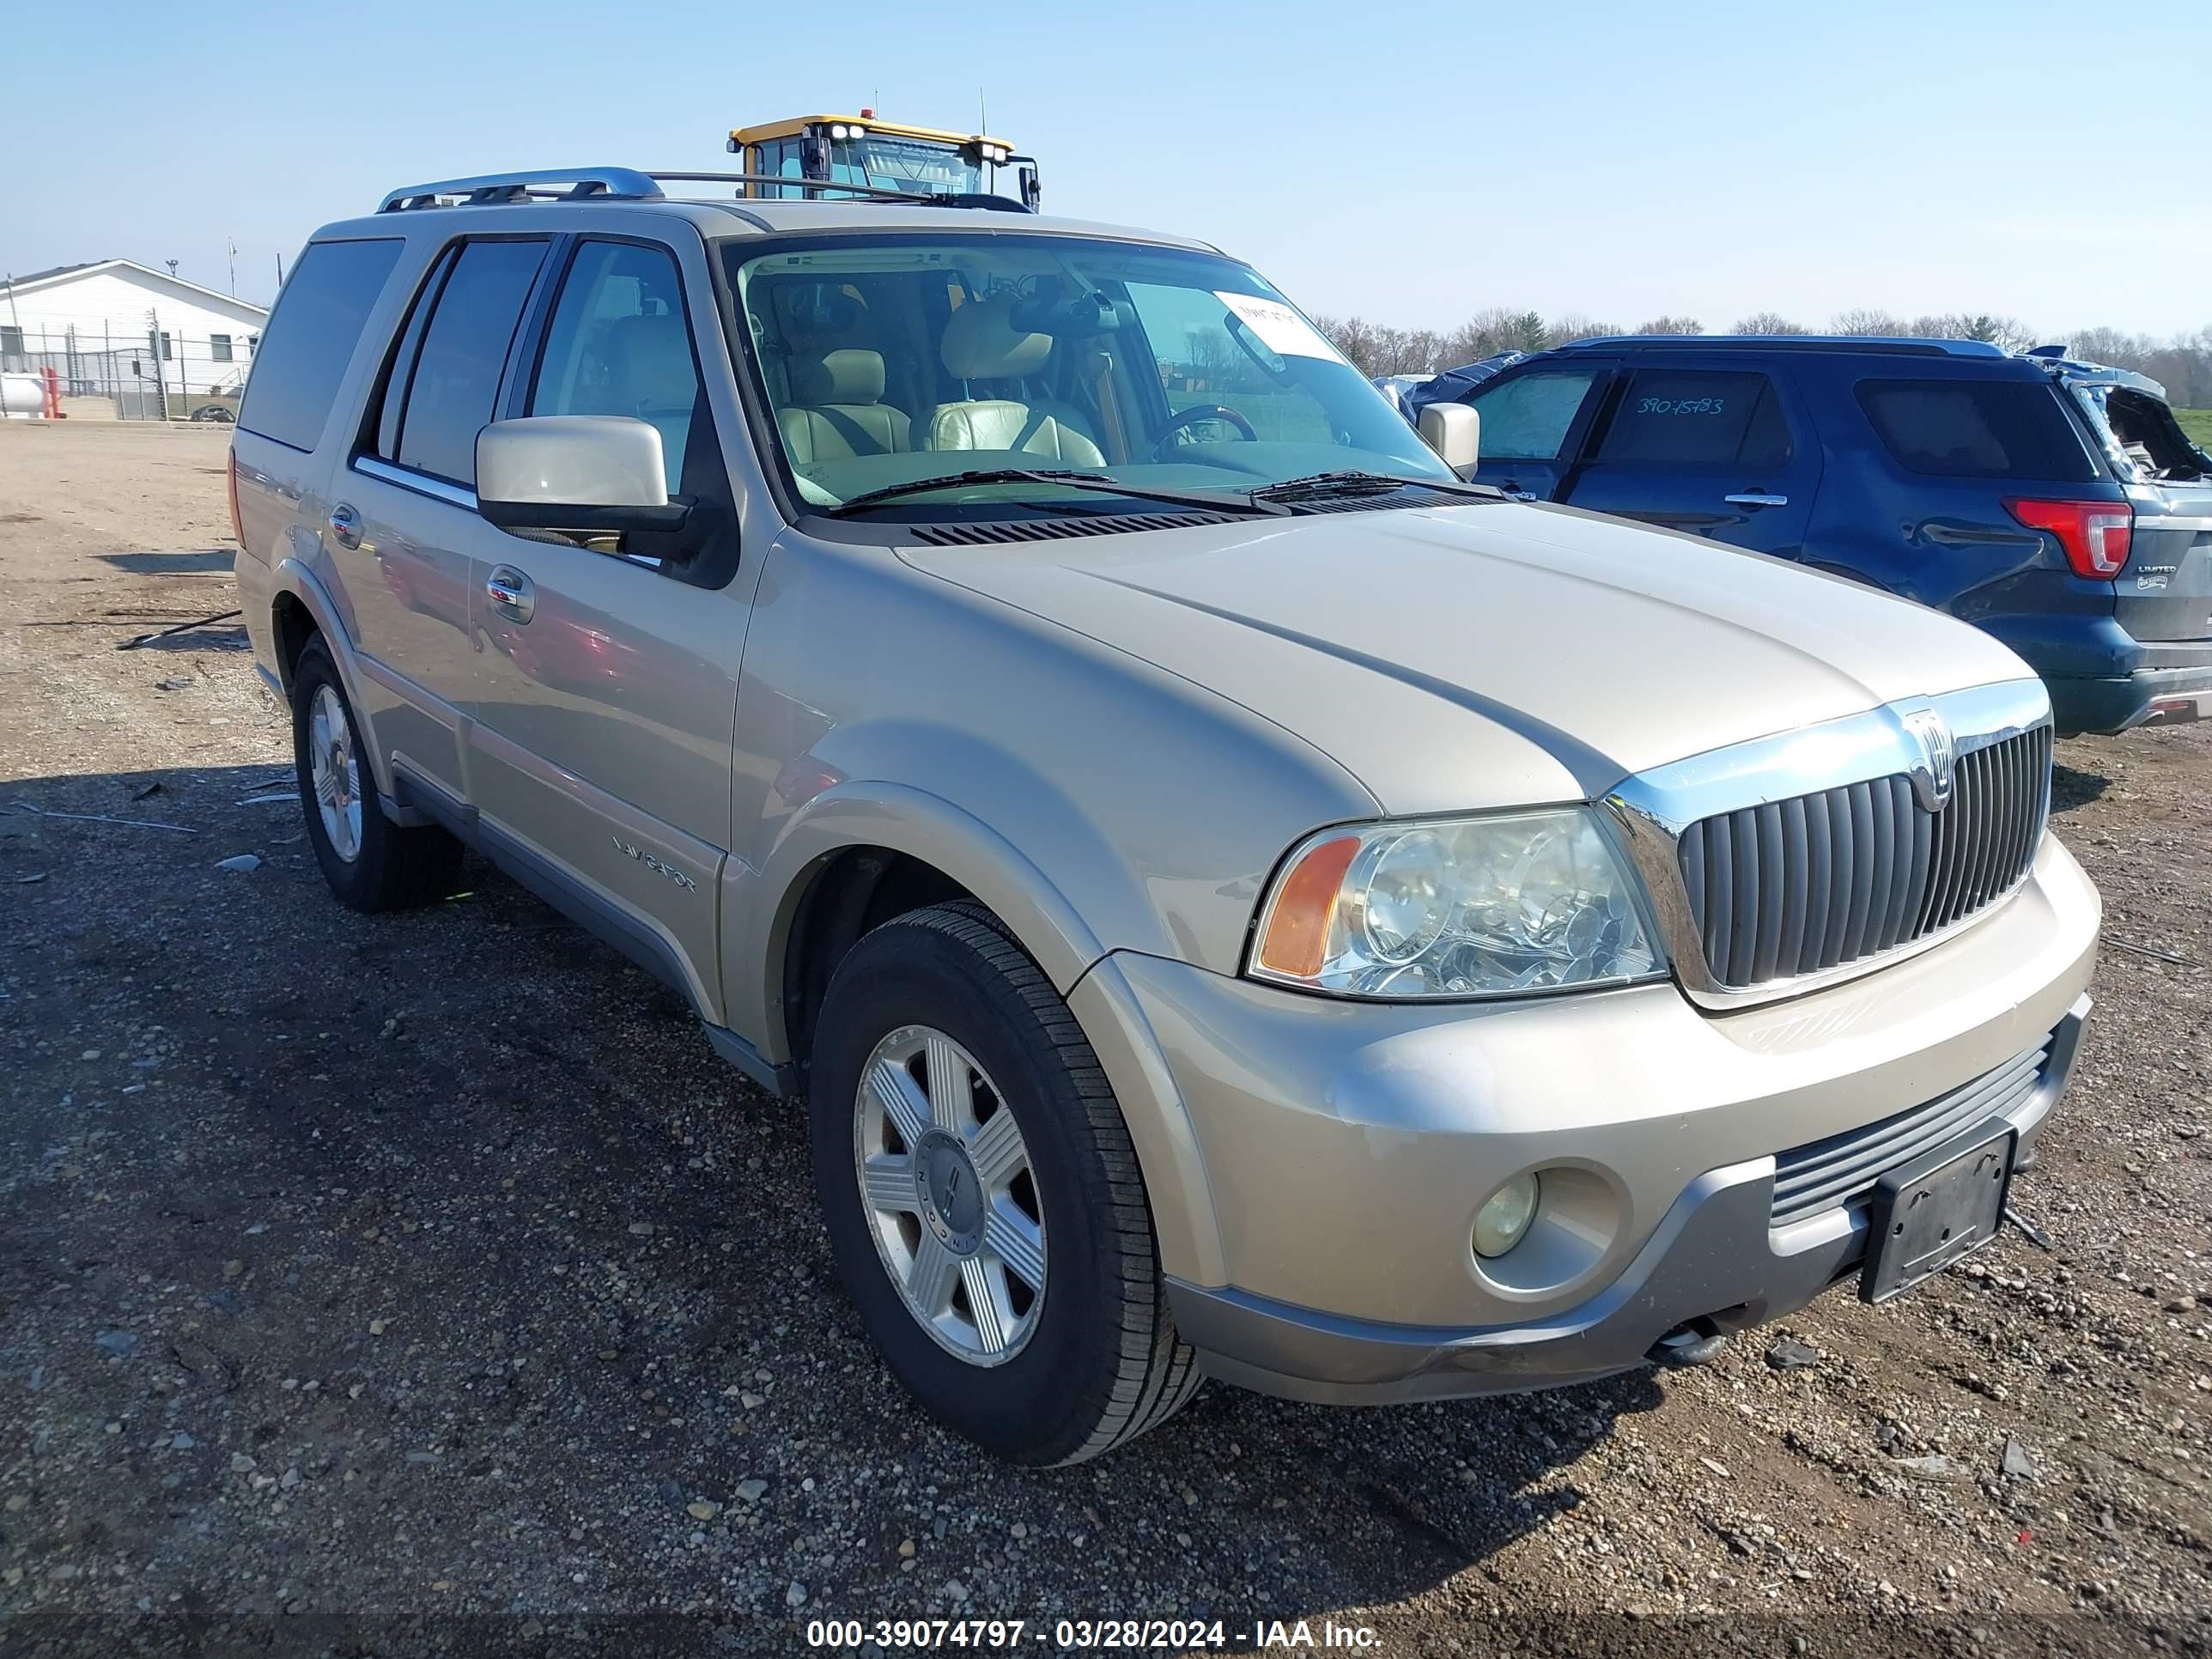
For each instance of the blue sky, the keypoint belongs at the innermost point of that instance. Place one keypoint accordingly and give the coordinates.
(1411, 163)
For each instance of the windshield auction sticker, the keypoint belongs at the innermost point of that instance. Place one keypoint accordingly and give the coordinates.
(1279, 327)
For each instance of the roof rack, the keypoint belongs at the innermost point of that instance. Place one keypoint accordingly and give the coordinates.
(582, 184)
(1919, 348)
(628, 185)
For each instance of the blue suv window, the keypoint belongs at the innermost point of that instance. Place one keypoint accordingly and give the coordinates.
(1527, 418)
(1696, 417)
(1977, 429)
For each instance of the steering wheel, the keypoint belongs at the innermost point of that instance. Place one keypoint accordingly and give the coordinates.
(1196, 413)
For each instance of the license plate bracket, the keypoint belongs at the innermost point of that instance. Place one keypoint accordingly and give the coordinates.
(1928, 1214)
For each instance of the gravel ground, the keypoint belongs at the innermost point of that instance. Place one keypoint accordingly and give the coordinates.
(387, 1285)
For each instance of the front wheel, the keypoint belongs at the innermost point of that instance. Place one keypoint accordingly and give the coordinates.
(982, 1198)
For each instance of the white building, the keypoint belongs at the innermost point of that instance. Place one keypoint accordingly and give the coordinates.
(116, 329)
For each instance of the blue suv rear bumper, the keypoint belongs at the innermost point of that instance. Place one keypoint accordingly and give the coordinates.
(2103, 680)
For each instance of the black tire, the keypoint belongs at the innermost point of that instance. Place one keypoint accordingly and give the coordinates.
(1103, 1363)
(394, 868)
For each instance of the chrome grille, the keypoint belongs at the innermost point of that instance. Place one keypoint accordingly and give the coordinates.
(1806, 885)
(1844, 1169)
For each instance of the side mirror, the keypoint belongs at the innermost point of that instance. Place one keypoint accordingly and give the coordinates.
(589, 474)
(1455, 432)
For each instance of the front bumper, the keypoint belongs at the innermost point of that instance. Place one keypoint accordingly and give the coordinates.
(1716, 1265)
(1329, 1157)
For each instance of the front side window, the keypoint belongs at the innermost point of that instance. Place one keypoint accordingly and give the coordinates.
(457, 372)
(888, 359)
(1698, 418)
(1528, 418)
(618, 345)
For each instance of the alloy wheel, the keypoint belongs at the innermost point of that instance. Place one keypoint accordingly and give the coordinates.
(336, 773)
(949, 1196)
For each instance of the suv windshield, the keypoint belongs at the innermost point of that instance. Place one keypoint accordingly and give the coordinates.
(898, 358)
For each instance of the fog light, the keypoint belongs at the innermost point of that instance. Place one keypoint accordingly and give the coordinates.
(1504, 1216)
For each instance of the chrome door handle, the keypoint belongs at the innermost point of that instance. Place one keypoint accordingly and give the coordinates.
(510, 593)
(345, 525)
(1753, 498)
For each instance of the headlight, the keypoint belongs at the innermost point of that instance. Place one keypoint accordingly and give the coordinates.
(1473, 906)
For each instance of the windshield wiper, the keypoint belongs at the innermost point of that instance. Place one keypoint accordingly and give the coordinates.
(1352, 481)
(1071, 479)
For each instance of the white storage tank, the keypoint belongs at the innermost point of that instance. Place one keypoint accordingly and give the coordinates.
(22, 398)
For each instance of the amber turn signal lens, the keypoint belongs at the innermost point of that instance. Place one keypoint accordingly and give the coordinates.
(1296, 940)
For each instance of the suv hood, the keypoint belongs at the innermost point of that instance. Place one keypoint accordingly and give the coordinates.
(1489, 656)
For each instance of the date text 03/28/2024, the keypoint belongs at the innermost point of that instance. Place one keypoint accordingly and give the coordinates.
(1082, 1635)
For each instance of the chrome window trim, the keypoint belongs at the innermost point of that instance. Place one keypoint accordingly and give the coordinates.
(1652, 809)
(421, 483)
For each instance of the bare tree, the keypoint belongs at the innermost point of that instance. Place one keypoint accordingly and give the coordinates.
(1484, 335)
(1575, 326)
(1356, 337)
(2008, 333)
(2109, 345)
(1768, 322)
(2182, 365)
(1871, 322)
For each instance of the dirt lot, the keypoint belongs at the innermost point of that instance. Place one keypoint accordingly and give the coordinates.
(425, 1283)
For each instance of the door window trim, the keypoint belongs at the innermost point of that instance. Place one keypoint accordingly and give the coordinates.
(422, 484)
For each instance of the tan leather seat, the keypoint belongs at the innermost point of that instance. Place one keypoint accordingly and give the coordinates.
(981, 344)
(651, 377)
(838, 410)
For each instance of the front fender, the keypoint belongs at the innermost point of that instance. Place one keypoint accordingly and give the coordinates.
(761, 905)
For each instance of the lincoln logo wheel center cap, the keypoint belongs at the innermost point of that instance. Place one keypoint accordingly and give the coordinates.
(951, 1196)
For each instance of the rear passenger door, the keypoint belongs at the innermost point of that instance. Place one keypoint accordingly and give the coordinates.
(1533, 426)
(606, 694)
(404, 529)
(1717, 451)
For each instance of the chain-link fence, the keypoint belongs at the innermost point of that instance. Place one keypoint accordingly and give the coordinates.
(129, 371)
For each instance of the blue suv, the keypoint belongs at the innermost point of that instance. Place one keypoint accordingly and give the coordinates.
(2057, 504)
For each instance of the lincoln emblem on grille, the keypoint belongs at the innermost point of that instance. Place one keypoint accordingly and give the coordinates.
(1931, 772)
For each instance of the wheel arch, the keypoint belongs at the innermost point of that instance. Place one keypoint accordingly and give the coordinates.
(844, 846)
(817, 877)
(299, 609)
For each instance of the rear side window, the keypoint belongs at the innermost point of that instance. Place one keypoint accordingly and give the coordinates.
(457, 372)
(310, 339)
(1977, 429)
(1528, 418)
(1678, 418)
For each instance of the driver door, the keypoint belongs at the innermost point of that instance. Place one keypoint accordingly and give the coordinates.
(607, 693)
